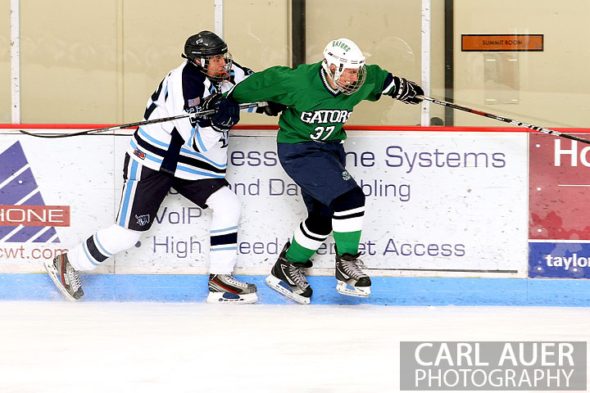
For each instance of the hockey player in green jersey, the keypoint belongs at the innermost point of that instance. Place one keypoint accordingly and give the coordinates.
(318, 100)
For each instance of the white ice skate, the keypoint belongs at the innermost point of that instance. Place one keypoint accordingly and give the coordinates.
(352, 281)
(225, 288)
(65, 278)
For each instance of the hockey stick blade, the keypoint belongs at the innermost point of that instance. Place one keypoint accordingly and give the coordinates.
(137, 124)
(504, 119)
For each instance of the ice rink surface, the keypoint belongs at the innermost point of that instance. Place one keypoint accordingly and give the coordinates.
(112, 347)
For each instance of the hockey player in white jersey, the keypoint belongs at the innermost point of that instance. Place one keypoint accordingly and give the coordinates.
(189, 155)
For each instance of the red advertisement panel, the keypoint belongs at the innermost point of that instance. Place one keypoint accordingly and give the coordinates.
(35, 216)
(559, 195)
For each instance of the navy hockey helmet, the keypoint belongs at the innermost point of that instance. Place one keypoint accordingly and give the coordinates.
(199, 49)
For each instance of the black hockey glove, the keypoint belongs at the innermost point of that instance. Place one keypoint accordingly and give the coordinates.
(271, 109)
(406, 91)
(227, 113)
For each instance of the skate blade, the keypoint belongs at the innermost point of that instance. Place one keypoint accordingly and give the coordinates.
(349, 290)
(230, 298)
(52, 272)
(275, 283)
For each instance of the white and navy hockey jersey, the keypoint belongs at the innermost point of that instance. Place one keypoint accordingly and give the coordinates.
(181, 147)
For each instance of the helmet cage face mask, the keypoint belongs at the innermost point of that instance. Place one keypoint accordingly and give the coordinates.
(204, 62)
(344, 54)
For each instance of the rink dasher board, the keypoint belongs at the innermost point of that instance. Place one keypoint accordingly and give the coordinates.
(438, 203)
(387, 291)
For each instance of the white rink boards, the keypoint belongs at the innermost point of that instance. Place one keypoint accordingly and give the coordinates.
(443, 203)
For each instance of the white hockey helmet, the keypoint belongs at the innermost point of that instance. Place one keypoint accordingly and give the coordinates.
(343, 53)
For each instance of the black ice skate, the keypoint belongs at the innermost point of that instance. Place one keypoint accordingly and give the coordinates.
(289, 280)
(225, 288)
(65, 278)
(352, 281)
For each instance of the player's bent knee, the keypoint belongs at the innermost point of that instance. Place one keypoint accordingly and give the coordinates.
(321, 225)
(226, 201)
(115, 238)
(352, 199)
(129, 235)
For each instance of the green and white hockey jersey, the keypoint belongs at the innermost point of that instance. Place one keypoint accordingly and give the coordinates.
(315, 111)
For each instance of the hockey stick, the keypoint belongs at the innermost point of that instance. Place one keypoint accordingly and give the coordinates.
(504, 119)
(139, 123)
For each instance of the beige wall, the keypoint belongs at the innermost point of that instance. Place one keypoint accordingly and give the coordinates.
(554, 86)
(68, 61)
(257, 32)
(81, 69)
(5, 110)
(88, 61)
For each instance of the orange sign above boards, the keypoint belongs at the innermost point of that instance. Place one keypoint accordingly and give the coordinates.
(502, 42)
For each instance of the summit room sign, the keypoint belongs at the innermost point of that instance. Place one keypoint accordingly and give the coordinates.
(502, 42)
